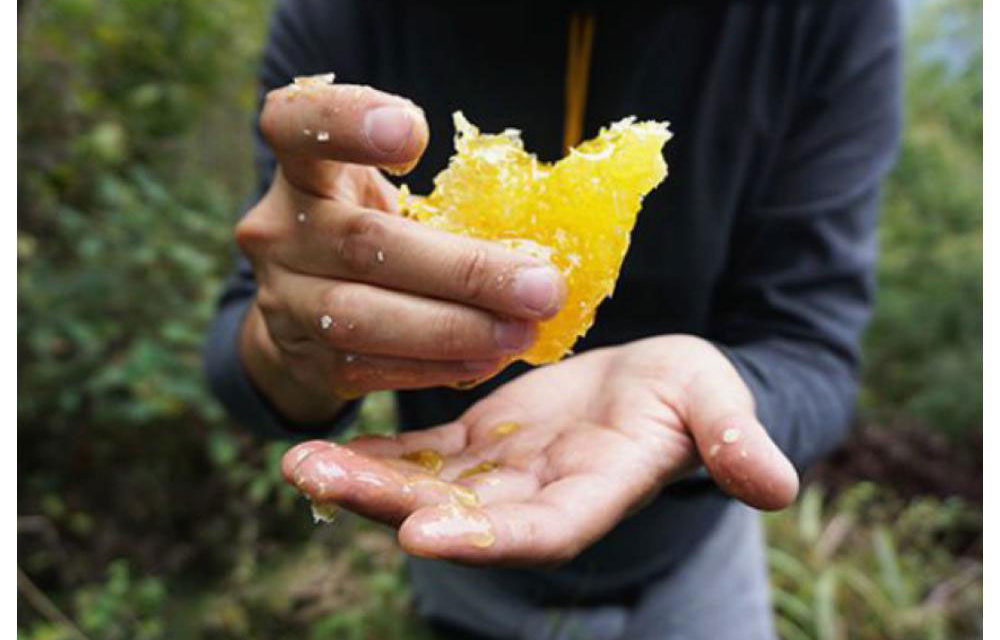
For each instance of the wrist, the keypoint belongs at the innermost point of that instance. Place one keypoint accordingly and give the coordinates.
(272, 379)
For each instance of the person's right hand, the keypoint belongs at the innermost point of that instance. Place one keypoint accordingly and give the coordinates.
(352, 298)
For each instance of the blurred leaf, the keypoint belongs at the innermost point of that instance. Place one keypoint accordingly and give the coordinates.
(889, 567)
(827, 620)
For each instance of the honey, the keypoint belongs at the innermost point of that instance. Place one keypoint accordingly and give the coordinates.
(578, 213)
(324, 511)
(505, 428)
(429, 459)
(483, 467)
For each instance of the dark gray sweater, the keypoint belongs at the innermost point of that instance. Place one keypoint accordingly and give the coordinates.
(763, 239)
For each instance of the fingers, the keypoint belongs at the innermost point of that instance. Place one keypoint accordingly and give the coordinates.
(357, 374)
(499, 485)
(592, 477)
(310, 125)
(389, 478)
(735, 447)
(443, 452)
(551, 528)
(342, 241)
(366, 320)
(328, 473)
(445, 440)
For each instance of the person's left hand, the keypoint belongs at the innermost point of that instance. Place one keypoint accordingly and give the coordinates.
(550, 462)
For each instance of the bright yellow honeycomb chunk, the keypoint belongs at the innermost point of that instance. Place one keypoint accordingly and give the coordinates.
(578, 213)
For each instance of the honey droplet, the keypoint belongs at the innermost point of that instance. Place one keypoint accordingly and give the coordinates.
(324, 511)
(464, 495)
(314, 81)
(347, 393)
(456, 522)
(483, 467)
(429, 459)
(577, 212)
(451, 494)
(730, 436)
(481, 539)
(506, 428)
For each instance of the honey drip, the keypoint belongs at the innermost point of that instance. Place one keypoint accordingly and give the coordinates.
(324, 511)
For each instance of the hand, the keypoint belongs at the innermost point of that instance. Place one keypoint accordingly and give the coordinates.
(352, 298)
(547, 464)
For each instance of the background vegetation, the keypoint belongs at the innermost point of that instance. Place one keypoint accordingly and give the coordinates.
(143, 514)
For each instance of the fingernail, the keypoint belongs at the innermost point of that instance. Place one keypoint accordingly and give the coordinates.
(537, 288)
(513, 335)
(388, 128)
(479, 365)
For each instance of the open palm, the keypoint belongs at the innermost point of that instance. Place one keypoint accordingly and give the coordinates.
(549, 463)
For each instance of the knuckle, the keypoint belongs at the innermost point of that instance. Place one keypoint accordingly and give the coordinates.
(472, 273)
(452, 338)
(268, 302)
(254, 232)
(335, 303)
(268, 121)
(331, 299)
(362, 236)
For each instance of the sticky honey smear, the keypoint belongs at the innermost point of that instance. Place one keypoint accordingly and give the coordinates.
(578, 213)
(505, 428)
(429, 459)
(483, 467)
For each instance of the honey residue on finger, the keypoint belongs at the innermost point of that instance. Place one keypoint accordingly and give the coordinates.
(465, 524)
(429, 459)
(506, 428)
(483, 467)
(450, 492)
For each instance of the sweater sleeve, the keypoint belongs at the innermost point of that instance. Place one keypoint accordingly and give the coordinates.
(798, 289)
(306, 37)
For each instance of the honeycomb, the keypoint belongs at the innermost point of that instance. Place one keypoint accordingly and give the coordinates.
(578, 213)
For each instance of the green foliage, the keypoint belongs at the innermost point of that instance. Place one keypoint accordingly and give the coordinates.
(122, 239)
(120, 608)
(347, 582)
(868, 565)
(923, 355)
(124, 233)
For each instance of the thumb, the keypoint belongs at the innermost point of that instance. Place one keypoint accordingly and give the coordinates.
(734, 446)
(312, 125)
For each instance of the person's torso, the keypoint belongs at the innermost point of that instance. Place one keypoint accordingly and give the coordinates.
(719, 72)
